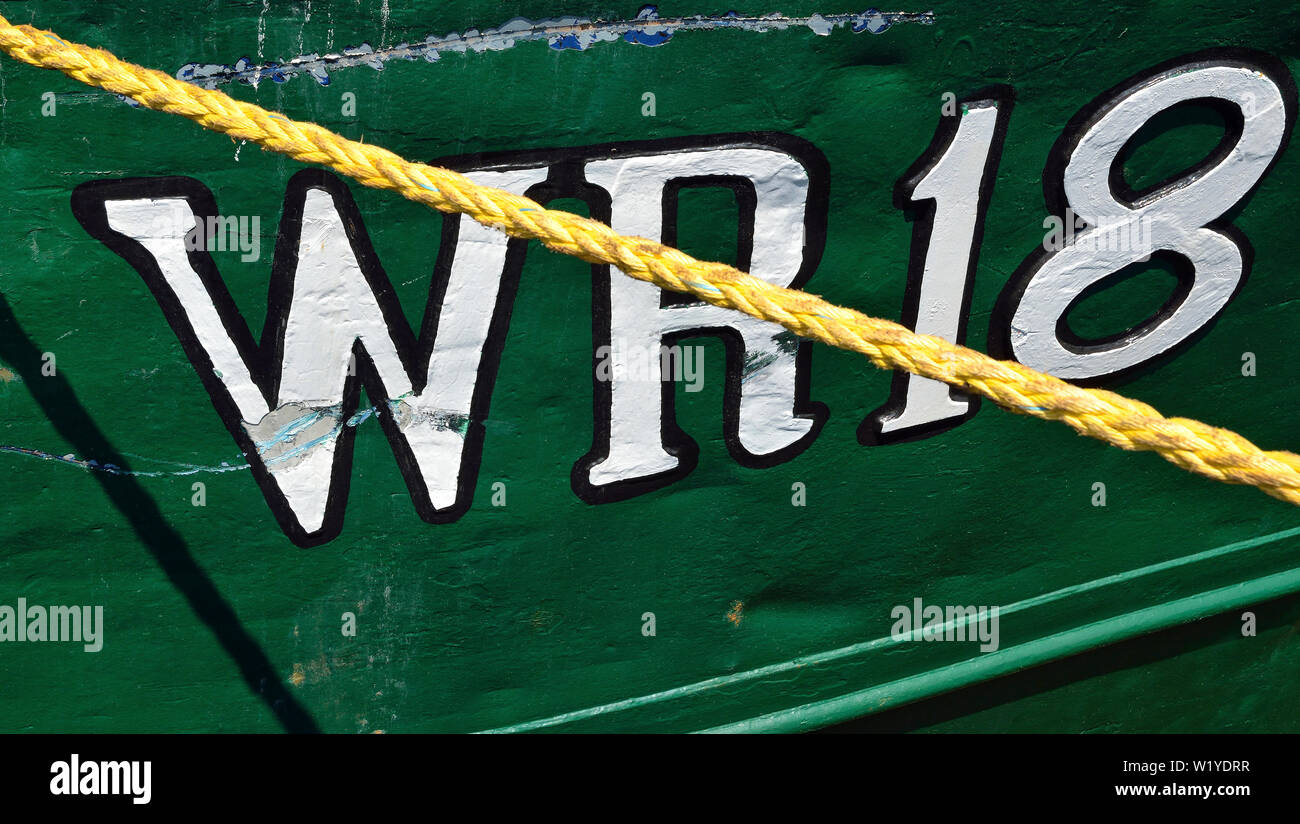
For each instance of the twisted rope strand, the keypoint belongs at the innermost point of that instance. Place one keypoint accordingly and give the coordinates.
(1197, 447)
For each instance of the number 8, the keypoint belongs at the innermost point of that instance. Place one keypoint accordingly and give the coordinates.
(1176, 217)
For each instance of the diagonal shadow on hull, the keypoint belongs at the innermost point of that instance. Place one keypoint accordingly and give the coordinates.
(59, 402)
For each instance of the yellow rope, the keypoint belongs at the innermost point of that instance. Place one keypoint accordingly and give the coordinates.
(1115, 419)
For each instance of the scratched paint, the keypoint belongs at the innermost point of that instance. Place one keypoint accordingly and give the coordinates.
(294, 430)
(560, 33)
(527, 615)
(112, 469)
(283, 436)
(282, 439)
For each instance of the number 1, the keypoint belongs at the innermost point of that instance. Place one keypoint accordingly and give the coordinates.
(951, 183)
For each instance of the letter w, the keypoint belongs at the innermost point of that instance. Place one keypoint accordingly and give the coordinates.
(333, 324)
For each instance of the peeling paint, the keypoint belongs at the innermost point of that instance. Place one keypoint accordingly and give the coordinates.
(293, 429)
(560, 33)
(443, 420)
(290, 431)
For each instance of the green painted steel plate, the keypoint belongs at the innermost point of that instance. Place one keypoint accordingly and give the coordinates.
(744, 582)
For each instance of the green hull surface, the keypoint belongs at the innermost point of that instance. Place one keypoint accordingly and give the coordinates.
(735, 589)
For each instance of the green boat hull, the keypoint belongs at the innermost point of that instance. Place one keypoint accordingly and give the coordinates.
(719, 578)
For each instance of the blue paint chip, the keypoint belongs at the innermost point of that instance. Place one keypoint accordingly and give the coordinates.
(871, 21)
(360, 417)
(643, 38)
(568, 41)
